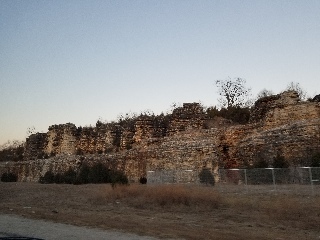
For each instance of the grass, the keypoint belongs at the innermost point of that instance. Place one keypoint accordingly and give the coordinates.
(171, 211)
(281, 206)
(305, 211)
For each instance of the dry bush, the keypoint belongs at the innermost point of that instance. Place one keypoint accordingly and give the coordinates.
(144, 196)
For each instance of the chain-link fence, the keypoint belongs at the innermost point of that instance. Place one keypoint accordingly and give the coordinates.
(180, 176)
(297, 179)
(306, 179)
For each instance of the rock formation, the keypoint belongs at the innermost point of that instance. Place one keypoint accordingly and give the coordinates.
(279, 125)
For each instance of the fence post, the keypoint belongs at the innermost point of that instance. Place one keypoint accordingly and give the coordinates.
(273, 178)
(245, 179)
(311, 181)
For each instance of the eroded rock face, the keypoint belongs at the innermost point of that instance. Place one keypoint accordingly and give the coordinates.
(190, 116)
(297, 142)
(35, 146)
(279, 124)
(264, 105)
(61, 139)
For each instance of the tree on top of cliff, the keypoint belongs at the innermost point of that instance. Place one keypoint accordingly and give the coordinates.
(233, 93)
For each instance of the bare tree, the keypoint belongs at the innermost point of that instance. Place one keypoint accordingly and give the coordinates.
(296, 87)
(234, 93)
(30, 131)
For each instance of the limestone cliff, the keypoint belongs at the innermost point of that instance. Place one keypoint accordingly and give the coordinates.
(280, 124)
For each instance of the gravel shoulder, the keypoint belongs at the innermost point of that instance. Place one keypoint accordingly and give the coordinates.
(15, 226)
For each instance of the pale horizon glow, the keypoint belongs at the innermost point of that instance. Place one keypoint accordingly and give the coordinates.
(78, 61)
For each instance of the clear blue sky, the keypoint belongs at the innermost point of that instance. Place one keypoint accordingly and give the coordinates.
(76, 61)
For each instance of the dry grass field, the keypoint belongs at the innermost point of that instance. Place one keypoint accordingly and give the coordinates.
(170, 211)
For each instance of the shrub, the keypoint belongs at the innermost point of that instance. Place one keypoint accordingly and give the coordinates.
(69, 176)
(143, 180)
(206, 177)
(280, 162)
(98, 173)
(59, 178)
(236, 114)
(48, 177)
(9, 177)
(262, 163)
(83, 176)
(315, 160)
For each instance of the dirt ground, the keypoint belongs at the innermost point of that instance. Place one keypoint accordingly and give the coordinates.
(240, 215)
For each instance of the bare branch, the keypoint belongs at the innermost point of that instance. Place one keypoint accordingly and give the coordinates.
(296, 87)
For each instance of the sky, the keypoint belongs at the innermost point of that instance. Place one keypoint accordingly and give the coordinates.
(80, 61)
